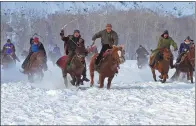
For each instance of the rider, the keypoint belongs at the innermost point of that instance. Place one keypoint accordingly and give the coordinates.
(56, 50)
(9, 49)
(184, 47)
(71, 42)
(165, 41)
(35, 46)
(141, 52)
(108, 39)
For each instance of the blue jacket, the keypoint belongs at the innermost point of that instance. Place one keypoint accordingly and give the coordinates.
(184, 47)
(34, 47)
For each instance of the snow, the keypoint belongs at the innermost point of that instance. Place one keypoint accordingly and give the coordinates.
(134, 99)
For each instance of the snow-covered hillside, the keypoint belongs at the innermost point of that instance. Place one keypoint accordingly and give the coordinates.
(134, 99)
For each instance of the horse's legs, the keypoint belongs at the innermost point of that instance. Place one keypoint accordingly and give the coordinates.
(188, 76)
(153, 73)
(73, 81)
(101, 80)
(191, 75)
(65, 78)
(164, 78)
(92, 78)
(78, 80)
(161, 76)
(109, 82)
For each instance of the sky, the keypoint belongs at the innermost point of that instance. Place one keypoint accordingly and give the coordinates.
(187, 8)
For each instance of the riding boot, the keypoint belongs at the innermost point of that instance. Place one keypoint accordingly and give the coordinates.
(171, 63)
(153, 62)
(84, 74)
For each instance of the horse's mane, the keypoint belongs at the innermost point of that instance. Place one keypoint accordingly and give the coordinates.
(114, 54)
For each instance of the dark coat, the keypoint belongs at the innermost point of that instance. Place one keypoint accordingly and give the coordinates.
(184, 47)
(141, 51)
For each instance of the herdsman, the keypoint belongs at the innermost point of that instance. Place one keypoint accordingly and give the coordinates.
(70, 44)
(165, 41)
(108, 38)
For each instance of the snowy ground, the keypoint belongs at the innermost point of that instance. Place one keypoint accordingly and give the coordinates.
(134, 99)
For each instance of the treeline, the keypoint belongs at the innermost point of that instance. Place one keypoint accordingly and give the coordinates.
(134, 27)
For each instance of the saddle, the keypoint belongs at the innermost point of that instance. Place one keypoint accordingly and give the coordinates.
(106, 53)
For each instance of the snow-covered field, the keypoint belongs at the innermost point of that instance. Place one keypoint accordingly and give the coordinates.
(134, 99)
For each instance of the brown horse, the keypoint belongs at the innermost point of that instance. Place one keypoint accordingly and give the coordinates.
(35, 66)
(75, 69)
(7, 61)
(108, 65)
(162, 66)
(186, 65)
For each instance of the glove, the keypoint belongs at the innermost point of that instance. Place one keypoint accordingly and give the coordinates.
(62, 33)
(175, 49)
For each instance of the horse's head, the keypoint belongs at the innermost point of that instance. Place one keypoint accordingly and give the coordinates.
(166, 54)
(80, 57)
(118, 53)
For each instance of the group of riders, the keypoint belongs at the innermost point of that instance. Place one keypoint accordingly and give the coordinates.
(165, 41)
(108, 38)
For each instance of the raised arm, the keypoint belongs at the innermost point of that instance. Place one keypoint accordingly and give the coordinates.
(97, 35)
(65, 39)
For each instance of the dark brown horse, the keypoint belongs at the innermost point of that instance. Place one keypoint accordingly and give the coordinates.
(186, 64)
(75, 69)
(108, 65)
(7, 61)
(35, 66)
(163, 65)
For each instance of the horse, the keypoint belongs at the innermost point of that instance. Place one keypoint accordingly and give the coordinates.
(35, 66)
(7, 61)
(53, 57)
(186, 65)
(162, 65)
(75, 70)
(108, 65)
(142, 61)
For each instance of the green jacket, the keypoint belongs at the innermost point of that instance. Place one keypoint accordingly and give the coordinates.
(107, 38)
(166, 43)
